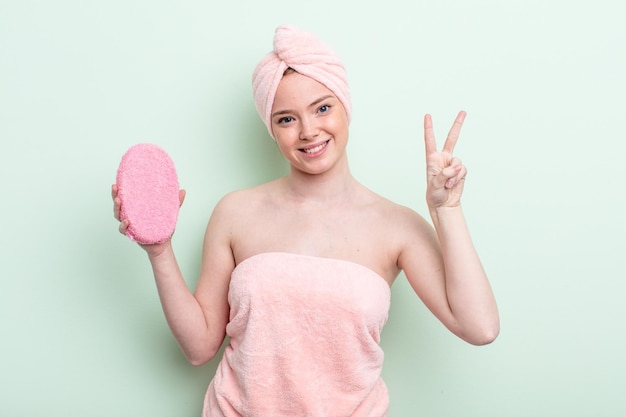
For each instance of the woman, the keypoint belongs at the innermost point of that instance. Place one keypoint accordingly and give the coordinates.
(298, 271)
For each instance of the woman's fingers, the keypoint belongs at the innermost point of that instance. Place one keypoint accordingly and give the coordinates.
(117, 205)
(429, 135)
(446, 173)
(123, 227)
(454, 133)
(450, 174)
(457, 179)
(117, 202)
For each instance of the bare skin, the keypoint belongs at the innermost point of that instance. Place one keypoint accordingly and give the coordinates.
(319, 209)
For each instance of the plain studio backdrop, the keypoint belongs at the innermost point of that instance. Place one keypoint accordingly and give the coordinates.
(82, 332)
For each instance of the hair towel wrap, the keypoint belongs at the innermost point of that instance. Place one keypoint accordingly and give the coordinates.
(306, 54)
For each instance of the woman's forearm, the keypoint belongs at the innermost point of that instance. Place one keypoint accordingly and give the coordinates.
(182, 310)
(468, 290)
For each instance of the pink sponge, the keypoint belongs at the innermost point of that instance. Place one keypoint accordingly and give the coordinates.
(148, 188)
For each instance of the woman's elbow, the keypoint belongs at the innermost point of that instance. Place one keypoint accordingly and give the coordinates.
(201, 357)
(485, 339)
(199, 360)
(484, 336)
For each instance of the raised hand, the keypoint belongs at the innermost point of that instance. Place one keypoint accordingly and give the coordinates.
(445, 174)
(117, 204)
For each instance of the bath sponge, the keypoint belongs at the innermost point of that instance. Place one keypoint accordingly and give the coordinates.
(148, 188)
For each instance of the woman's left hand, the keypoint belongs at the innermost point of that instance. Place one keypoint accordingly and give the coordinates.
(445, 174)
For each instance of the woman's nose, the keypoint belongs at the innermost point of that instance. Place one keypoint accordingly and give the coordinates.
(308, 128)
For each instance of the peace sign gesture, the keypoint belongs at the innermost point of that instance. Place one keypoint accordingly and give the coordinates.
(445, 174)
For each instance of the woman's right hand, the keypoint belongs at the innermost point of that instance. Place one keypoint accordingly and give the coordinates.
(152, 249)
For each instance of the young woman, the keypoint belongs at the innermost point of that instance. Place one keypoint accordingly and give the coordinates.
(298, 271)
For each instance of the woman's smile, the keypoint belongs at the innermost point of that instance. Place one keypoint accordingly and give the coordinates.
(315, 150)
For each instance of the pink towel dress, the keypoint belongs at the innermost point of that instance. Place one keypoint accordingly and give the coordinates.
(304, 340)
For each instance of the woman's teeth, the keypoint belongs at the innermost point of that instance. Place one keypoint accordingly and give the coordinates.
(316, 149)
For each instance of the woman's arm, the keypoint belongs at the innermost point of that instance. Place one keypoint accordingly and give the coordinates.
(442, 265)
(197, 321)
(469, 293)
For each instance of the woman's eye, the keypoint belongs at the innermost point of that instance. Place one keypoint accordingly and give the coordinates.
(284, 120)
(324, 108)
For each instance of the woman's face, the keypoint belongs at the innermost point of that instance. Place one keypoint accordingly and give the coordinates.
(309, 124)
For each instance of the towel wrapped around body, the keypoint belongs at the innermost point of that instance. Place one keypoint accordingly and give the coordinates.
(304, 340)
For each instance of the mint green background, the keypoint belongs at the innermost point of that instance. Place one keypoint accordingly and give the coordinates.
(543, 82)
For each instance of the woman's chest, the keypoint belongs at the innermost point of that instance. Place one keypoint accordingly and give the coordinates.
(356, 237)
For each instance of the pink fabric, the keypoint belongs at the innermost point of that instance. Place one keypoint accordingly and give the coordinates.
(304, 340)
(148, 187)
(308, 55)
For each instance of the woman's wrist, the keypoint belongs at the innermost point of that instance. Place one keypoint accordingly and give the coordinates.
(157, 250)
(443, 213)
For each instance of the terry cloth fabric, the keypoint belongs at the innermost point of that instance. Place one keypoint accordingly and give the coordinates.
(148, 188)
(304, 340)
(308, 55)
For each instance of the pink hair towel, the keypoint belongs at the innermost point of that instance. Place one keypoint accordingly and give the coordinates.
(306, 54)
(148, 188)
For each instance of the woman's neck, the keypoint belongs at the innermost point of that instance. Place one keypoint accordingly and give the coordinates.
(334, 185)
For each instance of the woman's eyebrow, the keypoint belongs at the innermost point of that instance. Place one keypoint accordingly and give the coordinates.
(319, 100)
(279, 112)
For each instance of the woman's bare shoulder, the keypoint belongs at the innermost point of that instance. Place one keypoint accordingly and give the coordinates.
(246, 197)
(400, 220)
(392, 210)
